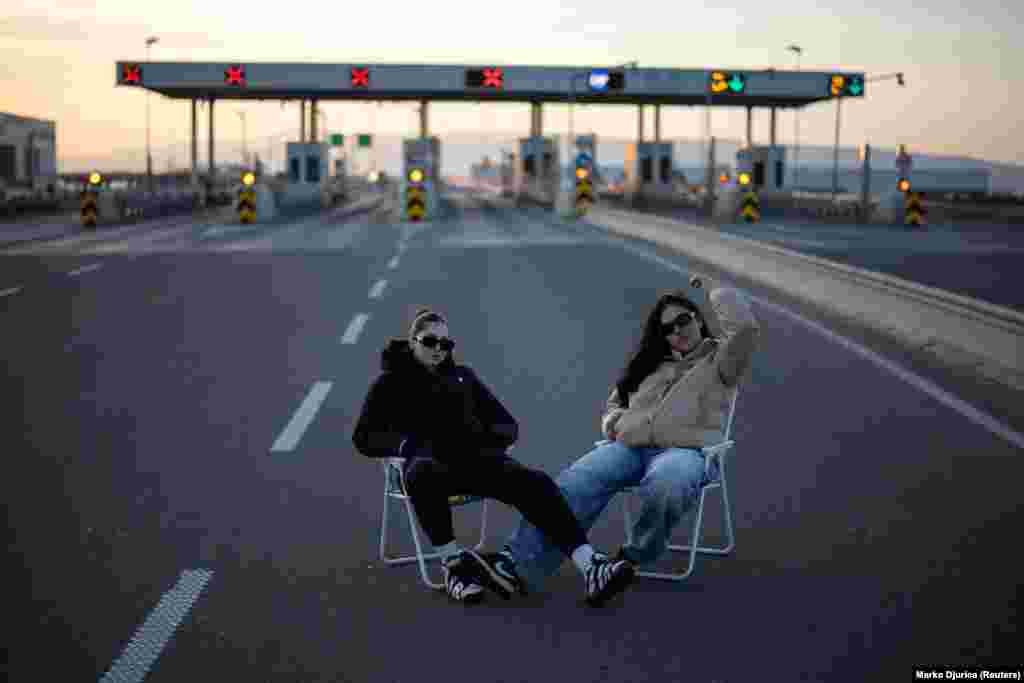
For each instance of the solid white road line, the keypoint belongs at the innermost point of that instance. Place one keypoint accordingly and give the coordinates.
(149, 640)
(85, 269)
(378, 289)
(302, 418)
(976, 416)
(393, 263)
(354, 328)
(8, 292)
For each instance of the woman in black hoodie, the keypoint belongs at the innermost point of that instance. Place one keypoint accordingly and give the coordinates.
(453, 434)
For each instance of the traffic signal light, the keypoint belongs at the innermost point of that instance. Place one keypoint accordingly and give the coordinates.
(903, 185)
(415, 195)
(247, 198)
(730, 83)
(723, 178)
(841, 85)
(744, 178)
(584, 195)
(95, 179)
(914, 210)
(750, 209)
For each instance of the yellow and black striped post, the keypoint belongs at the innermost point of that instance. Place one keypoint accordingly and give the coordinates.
(247, 198)
(415, 195)
(584, 191)
(914, 210)
(90, 201)
(750, 209)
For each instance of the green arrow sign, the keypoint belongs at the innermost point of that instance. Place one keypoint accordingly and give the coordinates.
(365, 140)
(736, 83)
(337, 139)
(856, 88)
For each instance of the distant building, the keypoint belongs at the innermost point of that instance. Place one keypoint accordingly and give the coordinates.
(28, 153)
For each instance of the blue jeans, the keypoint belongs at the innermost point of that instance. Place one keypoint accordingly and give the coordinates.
(669, 482)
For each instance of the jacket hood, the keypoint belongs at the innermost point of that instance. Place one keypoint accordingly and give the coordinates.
(397, 357)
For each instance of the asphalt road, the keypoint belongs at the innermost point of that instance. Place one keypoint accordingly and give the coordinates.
(874, 523)
(981, 261)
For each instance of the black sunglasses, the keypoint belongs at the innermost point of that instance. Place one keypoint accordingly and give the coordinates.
(430, 341)
(681, 320)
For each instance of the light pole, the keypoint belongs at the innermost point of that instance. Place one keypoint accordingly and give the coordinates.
(149, 156)
(245, 140)
(796, 123)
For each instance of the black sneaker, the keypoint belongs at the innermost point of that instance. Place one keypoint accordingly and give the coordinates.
(606, 578)
(498, 572)
(460, 578)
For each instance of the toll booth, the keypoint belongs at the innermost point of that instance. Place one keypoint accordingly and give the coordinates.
(766, 166)
(648, 171)
(420, 187)
(538, 171)
(308, 172)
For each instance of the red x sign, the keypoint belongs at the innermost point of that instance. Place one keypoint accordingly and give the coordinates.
(361, 78)
(235, 75)
(132, 74)
(493, 77)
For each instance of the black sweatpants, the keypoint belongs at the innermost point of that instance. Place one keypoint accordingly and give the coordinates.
(429, 482)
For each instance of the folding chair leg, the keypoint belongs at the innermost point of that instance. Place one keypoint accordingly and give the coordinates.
(695, 548)
(421, 557)
(730, 533)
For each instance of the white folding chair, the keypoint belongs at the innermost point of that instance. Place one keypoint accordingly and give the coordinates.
(716, 454)
(394, 489)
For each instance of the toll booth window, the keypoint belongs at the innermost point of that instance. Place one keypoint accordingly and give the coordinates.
(666, 169)
(759, 174)
(529, 165)
(549, 162)
(294, 171)
(646, 170)
(312, 169)
(778, 174)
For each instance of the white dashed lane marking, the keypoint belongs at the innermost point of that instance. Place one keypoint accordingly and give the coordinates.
(85, 269)
(149, 640)
(378, 289)
(302, 418)
(355, 328)
(393, 263)
(8, 292)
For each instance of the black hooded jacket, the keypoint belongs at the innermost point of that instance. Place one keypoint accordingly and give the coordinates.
(450, 410)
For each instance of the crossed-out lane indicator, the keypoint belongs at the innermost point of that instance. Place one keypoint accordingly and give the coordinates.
(360, 77)
(132, 74)
(234, 75)
(493, 77)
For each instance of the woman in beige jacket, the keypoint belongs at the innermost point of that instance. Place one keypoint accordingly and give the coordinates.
(669, 402)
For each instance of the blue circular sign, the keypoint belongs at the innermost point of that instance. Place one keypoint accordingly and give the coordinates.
(598, 80)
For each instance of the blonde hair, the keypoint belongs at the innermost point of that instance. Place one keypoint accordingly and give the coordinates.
(424, 317)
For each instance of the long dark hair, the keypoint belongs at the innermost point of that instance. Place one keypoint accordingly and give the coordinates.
(653, 347)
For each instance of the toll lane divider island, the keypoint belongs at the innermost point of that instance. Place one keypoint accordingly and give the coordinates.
(962, 332)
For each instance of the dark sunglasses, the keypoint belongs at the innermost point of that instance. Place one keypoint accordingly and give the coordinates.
(430, 341)
(681, 320)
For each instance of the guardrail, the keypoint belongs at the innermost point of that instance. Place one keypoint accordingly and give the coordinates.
(984, 338)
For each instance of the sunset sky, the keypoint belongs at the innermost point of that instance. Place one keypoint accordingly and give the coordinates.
(961, 60)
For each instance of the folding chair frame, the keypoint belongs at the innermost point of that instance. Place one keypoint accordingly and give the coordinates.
(394, 489)
(717, 452)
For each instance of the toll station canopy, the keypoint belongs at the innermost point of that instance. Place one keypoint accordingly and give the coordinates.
(501, 83)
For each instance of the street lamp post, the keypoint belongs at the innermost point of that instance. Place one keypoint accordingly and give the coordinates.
(245, 140)
(149, 156)
(796, 123)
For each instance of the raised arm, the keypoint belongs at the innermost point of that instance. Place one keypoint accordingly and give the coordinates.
(740, 330)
